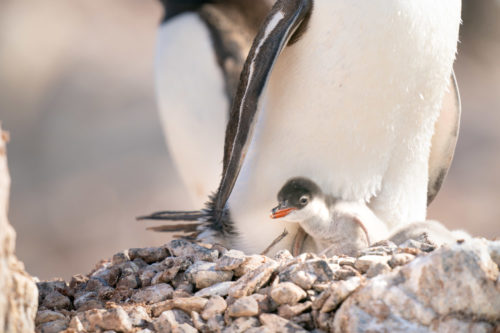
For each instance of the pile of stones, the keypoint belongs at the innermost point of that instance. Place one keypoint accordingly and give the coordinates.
(188, 287)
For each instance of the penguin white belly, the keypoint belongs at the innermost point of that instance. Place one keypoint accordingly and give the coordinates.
(192, 102)
(351, 105)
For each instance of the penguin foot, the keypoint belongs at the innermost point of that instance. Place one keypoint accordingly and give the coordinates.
(432, 231)
(274, 242)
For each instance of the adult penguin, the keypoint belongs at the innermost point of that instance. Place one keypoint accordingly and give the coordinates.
(359, 96)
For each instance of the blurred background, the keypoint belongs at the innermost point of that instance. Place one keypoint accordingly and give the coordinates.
(87, 154)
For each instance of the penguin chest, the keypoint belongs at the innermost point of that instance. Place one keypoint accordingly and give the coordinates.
(355, 98)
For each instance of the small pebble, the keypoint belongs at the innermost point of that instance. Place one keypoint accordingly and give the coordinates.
(181, 247)
(115, 319)
(149, 254)
(139, 316)
(215, 305)
(277, 324)
(170, 320)
(87, 301)
(303, 279)
(230, 260)
(76, 324)
(120, 257)
(198, 322)
(253, 279)
(153, 294)
(364, 263)
(128, 282)
(56, 300)
(287, 293)
(339, 291)
(187, 304)
(400, 259)
(242, 324)
(55, 326)
(250, 263)
(45, 316)
(219, 289)
(377, 269)
(203, 274)
(291, 311)
(244, 307)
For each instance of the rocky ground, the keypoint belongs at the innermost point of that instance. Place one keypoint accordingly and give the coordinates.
(188, 287)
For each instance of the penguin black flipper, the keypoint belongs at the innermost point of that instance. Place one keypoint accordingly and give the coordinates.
(284, 20)
(173, 8)
(444, 139)
(201, 48)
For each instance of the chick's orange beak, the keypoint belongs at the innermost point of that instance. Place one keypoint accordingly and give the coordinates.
(278, 212)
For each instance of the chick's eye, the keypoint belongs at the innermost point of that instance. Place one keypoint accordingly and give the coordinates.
(304, 200)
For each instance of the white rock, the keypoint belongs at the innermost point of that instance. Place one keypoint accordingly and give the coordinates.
(138, 315)
(231, 260)
(378, 268)
(253, 279)
(218, 289)
(170, 320)
(187, 304)
(455, 279)
(400, 259)
(364, 263)
(203, 274)
(215, 305)
(184, 248)
(115, 319)
(251, 263)
(153, 294)
(55, 326)
(277, 324)
(243, 307)
(240, 325)
(287, 293)
(339, 291)
(45, 316)
(304, 279)
(76, 324)
(184, 328)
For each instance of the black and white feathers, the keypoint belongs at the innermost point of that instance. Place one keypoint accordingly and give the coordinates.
(349, 95)
(201, 49)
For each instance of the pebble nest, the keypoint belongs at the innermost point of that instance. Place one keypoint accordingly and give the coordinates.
(189, 287)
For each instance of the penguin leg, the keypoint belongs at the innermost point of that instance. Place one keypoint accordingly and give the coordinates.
(298, 242)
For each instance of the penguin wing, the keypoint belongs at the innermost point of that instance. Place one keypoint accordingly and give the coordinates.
(277, 30)
(173, 8)
(444, 140)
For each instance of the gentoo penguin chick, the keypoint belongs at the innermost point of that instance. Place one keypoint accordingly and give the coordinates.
(334, 225)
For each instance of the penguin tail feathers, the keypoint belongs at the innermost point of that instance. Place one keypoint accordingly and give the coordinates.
(190, 230)
(170, 215)
(197, 225)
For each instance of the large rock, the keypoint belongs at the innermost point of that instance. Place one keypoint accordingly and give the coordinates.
(456, 287)
(18, 291)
